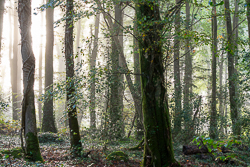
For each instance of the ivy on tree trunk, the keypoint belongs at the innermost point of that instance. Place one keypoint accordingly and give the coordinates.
(158, 149)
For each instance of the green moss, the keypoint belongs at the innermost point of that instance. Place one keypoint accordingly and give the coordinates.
(32, 150)
(16, 153)
(118, 155)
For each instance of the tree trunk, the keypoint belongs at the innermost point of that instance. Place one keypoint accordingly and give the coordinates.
(13, 68)
(16, 70)
(121, 88)
(115, 106)
(158, 150)
(139, 117)
(75, 139)
(187, 78)
(236, 75)
(248, 19)
(28, 108)
(177, 82)
(221, 96)
(40, 74)
(1, 23)
(48, 115)
(213, 121)
(231, 72)
(92, 69)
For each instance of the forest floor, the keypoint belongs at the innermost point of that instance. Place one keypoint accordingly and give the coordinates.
(56, 152)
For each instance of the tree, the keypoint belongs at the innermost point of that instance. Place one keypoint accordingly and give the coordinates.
(40, 75)
(14, 69)
(137, 82)
(248, 19)
(92, 69)
(75, 139)
(48, 115)
(177, 82)
(188, 76)
(158, 149)
(1, 22)
(32, 149)
(115, 105)
(213, 120)
(231, 72)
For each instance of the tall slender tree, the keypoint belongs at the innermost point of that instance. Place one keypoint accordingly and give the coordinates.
(48, 115)
(15, 70)
(75, 139)
(248, 19)
(32, 149)
(158, 149)
(137, 82)
(187, 107)
(40, 72)
(231, 71)
(213, 121)
(115, 106)
(177, 82)
(92, 68)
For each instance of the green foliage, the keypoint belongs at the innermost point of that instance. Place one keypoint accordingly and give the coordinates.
(48, 137)
(118, 156)
(9, 128)
(216, 147)
(15, 153)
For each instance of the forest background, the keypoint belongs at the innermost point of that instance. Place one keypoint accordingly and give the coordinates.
(135, 69)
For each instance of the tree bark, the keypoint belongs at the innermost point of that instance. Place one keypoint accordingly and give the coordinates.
(187, 107)
(92, 69)
(231, 72)
(13, 67)
(236, 75)
(213, 121)
(177, 82)
(75, 139)
(158, 149)
(138, 111)
(14, 64)
(28, 108)
(48, 115)
(221, 111)
(115, 106)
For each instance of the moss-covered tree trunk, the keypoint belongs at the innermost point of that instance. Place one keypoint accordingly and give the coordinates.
(158, 150)
(48, 114)
(75, 139)
(28, 107)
